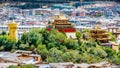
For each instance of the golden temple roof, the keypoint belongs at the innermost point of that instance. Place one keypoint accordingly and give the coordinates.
(61, 17)
(97, 27)
(13, 22)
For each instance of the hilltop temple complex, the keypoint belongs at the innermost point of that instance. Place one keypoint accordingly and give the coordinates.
(62, 24)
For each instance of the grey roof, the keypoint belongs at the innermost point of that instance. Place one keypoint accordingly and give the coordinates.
(11, 59)
(8, 54)
(15, 57)
(62, 63)
(82, 65)
(23, 51)
(34, 55)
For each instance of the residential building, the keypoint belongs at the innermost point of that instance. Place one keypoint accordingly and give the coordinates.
(20, 57)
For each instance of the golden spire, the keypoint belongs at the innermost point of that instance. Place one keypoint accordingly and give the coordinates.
(13, 34)
(97, 27)
(61, 17)
(13, 21)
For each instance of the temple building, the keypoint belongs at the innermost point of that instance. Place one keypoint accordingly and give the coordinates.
(62, 24)
(13, 34)
(103, 37)
(100, 34)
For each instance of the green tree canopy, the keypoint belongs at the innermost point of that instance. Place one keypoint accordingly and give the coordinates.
(4, 32)
(32, 38)
(28, 66)
(78, 34)
(42, 50)
(22, 66)
(7, 43)
(55, 55)
(100, 52)
(72, 55)
(71, 44)
(12, 66)
(55, 38)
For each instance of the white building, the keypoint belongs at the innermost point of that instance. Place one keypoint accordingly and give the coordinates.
(21, 28)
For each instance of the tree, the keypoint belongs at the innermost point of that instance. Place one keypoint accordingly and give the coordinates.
(7, 43)
(78, 34)
(4, 32)
(27, 66)
(116, 59)
(113, 38)
(12, 66)
(89, 58)
(100, 52)
(32, 47)
(63, 48)
(42, 50)
(86, 34)
(55, 55)
(55, 38)
(44, 33)
(85, 46)
(32, 38)
(1, 48)
(24, 46)
(110, 52)
(22, 66)
(71, 44)
(71, 56)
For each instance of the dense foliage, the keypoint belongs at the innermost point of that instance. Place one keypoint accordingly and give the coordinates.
(6, 43)
(54, 46)
(22, 66)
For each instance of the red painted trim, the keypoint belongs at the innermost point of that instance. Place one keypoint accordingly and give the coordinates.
(49, 29)
(65, 30)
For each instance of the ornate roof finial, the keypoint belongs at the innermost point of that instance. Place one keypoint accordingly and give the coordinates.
(13, 21)
(97, 27)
